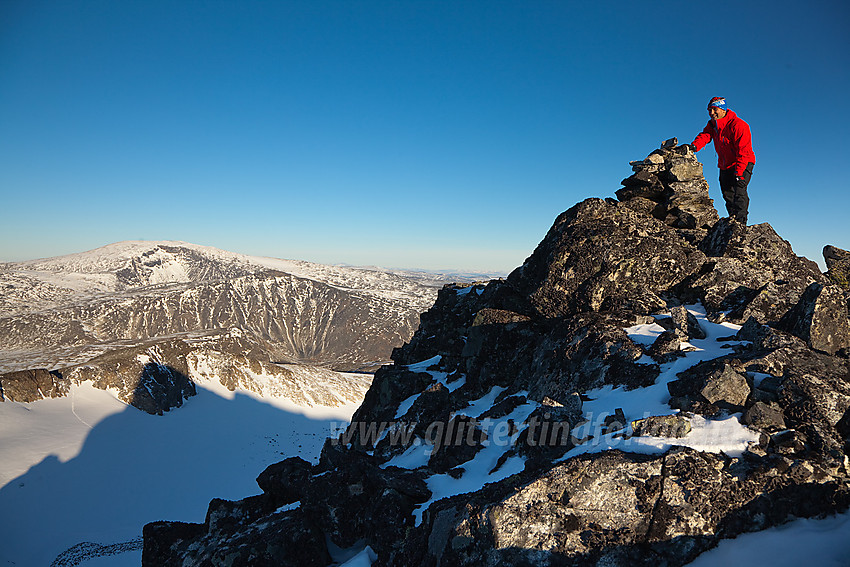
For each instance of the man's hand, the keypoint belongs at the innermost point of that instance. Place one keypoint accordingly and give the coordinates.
(693, 148)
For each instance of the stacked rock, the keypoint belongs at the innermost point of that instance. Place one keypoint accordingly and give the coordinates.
(669, 185)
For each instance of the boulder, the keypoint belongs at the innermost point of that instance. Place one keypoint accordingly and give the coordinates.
(820, 318)
(685, 324)
(764, 278)
(666, 347)
(764, 416)
(727, 386)
(708, 387)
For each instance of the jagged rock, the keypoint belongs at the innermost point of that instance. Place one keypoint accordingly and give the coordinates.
(820, 318)
(285, 481)
(788, 442)
(615, 421)
(153, 379)
(752, 272)
(32, 385)
(838, 265)
(598, 253)
(352, 500)
(617, 510)
(685, 324)
(458, 443)
(548, 435)
(163, 541)
(725, 386)
(285, 539)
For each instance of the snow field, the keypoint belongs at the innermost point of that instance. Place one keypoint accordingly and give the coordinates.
(89, 468)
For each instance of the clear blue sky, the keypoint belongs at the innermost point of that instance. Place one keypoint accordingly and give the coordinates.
(399, 133)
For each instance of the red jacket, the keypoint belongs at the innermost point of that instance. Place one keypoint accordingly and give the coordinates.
(732, 141)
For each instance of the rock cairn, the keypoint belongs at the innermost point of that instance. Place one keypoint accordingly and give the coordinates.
(669, 185)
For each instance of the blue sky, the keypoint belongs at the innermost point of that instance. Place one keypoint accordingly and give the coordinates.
(399, 133)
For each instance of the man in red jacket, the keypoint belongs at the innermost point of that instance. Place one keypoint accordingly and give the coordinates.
(735, 157)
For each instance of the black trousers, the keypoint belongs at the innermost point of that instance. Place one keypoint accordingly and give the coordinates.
(735, 192)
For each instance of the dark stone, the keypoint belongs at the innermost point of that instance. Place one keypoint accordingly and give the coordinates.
(162, 541)
(458, 443)
(754, 272)
(820, 318)
(161, 388)
(666, 347)
(764, 416)
(788, 442)
(710, 386)
(597, 251)
(285, 481)
(726, 386)
(686, 325)
(615, 421)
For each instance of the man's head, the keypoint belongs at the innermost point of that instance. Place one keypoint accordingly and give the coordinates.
(717, 107)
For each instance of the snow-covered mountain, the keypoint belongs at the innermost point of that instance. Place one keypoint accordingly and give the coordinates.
(250, 347)
(61, 311)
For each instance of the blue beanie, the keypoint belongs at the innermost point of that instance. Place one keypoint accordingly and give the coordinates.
(718, 102)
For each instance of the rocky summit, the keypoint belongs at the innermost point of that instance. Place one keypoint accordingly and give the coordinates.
(651, 380)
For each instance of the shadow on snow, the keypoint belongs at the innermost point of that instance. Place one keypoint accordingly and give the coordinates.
(135, 468)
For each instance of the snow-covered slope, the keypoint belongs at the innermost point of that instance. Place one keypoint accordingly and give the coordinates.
(133, 264)
(80, 475)
(65, 310)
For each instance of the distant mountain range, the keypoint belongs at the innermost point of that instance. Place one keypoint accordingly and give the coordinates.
(85, 309)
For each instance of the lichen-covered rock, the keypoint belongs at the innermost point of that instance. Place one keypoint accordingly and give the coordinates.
(662, 426)
(666, 348)
(725, 386)
(598, 253)
(759, 274)
(617, 509)
(820, 318)
(838, 265)
(709, 386)
(685, 324)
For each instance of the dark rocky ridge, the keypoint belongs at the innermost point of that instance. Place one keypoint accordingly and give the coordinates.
(533, 345)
